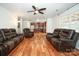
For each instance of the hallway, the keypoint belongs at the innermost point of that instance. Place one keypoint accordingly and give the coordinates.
(37, 46)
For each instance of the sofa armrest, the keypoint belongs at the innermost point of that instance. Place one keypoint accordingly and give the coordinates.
(49, 33)
(49, 36)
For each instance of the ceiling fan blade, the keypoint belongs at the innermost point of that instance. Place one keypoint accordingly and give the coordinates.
(42, 9)
(41, 12)
(34, 8)
(30, 11)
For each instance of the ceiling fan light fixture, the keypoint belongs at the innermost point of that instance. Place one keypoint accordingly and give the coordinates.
(36, 12)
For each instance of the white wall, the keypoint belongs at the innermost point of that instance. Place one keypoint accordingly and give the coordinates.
(51, 25)
(7, 19)
(65, 20)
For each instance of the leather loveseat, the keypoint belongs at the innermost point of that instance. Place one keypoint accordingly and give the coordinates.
(28, 33)
(63, 39)
(8, 40)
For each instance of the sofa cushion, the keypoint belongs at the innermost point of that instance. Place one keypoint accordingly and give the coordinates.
(6, 33)
(56, 33)
(16, 40)
(13, 32)
(55, 40)
(68, 34)
(10, 43)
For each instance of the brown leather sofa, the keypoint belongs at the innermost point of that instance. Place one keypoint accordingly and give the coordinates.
(8, 40)
(63, 39)
(28, 33)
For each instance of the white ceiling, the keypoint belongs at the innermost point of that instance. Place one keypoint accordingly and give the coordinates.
(21, 9)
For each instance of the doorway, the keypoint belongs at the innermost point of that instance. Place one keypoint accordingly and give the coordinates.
(39, 26)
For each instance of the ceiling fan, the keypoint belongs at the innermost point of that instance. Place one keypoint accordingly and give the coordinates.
(36, 10)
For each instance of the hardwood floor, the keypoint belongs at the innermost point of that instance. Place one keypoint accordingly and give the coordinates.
(38, 46)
